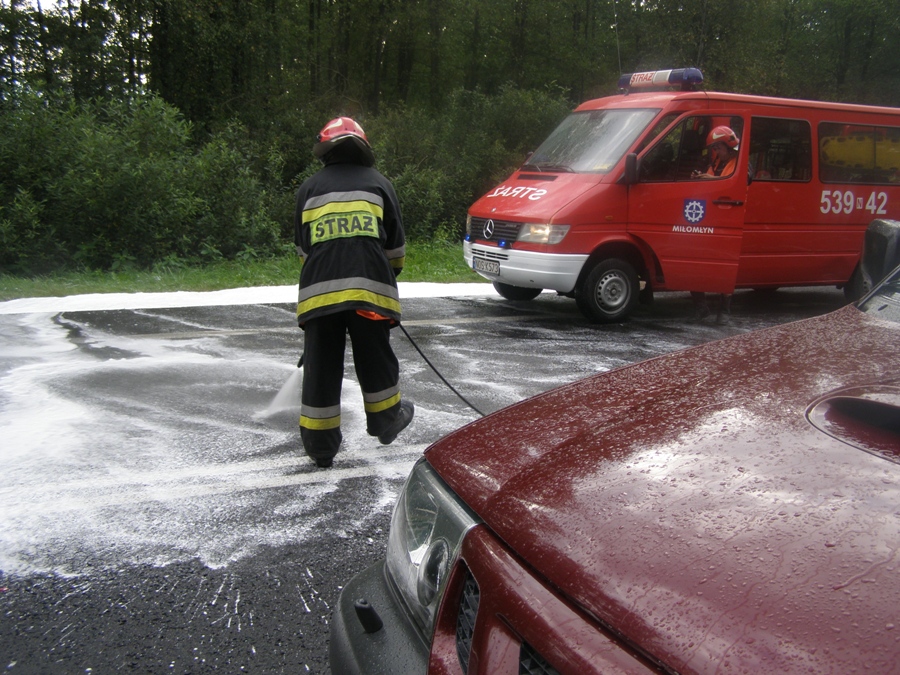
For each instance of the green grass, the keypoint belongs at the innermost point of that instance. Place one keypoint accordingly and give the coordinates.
(428, 261)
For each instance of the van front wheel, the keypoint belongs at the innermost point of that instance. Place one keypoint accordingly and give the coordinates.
(609, 291)
(516, 292)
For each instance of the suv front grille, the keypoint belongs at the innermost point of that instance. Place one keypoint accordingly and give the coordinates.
(465, 620)
(532, 663)
(503, 230)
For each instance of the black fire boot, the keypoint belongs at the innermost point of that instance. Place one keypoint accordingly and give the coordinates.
(404, 417)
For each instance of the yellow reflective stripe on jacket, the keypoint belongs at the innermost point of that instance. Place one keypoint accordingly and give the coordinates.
(334, 208)
(396, 257)
(349, 295)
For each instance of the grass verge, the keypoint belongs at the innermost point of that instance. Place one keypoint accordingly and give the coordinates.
(435, 262)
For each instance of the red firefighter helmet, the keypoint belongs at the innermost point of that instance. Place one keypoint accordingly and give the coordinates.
(723, 134)
(342, 129)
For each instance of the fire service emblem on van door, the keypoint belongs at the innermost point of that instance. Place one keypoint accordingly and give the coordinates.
(488, 229)
(694, 210)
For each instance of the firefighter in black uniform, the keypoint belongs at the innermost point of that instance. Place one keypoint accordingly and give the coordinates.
(348, 232)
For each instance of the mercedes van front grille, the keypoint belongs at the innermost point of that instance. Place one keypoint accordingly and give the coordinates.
(494, 230)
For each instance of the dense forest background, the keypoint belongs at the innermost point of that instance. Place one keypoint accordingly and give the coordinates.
(154, 132)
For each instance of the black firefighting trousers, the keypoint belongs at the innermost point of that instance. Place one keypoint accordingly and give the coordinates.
(377, 370)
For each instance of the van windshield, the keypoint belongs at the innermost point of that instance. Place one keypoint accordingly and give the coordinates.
(590, 142)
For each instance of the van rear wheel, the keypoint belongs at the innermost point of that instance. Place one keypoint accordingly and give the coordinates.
(516, 292)
(609, 291)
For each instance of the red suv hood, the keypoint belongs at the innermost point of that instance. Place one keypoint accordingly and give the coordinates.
(688, 503)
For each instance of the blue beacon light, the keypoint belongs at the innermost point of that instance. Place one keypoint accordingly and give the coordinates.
(685, 79)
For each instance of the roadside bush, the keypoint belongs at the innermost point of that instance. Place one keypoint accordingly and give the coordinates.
(123, 184)
(23, 234)
(115, 185)
(422, 192)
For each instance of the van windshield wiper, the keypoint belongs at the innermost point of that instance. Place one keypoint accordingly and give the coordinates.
(559, 168)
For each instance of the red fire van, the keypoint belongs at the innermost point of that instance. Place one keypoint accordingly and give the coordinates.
(609, 210)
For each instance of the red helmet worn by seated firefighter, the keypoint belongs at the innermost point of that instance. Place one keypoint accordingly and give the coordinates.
(723, 134)
(339, 130)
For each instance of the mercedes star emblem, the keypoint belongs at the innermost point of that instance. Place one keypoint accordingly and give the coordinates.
(489, 229)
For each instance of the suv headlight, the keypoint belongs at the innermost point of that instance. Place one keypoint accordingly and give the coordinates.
(542, 233)
(427, 529)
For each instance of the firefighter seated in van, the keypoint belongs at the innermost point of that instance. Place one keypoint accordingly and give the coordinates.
(722, 144)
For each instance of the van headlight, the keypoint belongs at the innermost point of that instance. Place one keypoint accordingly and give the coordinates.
(427, 530)
(542, 233)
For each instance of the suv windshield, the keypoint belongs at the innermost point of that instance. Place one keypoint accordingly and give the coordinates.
(885, 302)
(590, 142)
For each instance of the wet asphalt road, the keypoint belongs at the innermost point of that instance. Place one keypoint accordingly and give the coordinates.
(157, 514)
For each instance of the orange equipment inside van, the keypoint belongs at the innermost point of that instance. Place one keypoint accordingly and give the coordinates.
(609, 210)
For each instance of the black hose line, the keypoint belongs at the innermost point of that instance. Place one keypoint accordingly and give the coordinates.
(436, 371)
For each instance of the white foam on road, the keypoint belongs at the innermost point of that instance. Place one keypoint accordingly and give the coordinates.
(259, 295)
(140, 460)
(143, 449)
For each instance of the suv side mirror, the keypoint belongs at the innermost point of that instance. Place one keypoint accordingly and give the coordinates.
(632, 167)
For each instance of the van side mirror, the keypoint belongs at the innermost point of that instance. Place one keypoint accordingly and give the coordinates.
(632, 166)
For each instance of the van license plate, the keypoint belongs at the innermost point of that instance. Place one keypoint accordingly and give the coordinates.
(486, 266)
